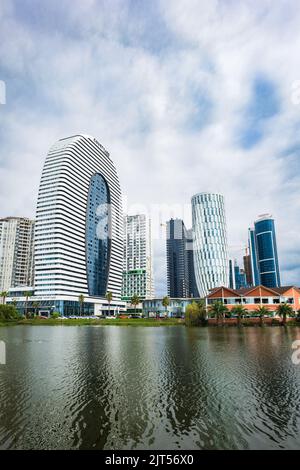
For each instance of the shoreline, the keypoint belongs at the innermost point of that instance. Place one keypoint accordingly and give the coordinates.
(141, 322)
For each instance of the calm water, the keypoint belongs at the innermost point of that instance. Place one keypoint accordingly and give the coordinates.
(155, 388)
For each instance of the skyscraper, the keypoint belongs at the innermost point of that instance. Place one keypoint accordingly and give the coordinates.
(192, 285)
(253, 257)
(137, 263)
(79, 227)
(247, 269)
(210, 242)
(16, 252)
(177, 266)
(263, 250)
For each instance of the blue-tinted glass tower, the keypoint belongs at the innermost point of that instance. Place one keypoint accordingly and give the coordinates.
(263, 250)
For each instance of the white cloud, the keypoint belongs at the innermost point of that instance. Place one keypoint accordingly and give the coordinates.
(170, 114)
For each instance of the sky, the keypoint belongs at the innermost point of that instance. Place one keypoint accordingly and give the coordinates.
(187, 97)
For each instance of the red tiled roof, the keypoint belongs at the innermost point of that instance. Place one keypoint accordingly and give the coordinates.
(244, 291)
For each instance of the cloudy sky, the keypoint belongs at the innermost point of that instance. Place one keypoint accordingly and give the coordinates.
(187, 96)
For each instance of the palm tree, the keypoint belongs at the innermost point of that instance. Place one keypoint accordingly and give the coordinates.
(284, 310)
(262, 311)
(135, 300)
(81, 302)
(35, 306)
(4, 294)
(218, 310)
(239, 310)
(27, 294)
(109, 297)
(166, 303)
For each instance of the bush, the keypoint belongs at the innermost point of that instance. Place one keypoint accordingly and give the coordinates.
(55, 314)
(8, 312)
(195, 314)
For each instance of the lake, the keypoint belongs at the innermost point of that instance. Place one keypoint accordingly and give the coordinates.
(110, 387)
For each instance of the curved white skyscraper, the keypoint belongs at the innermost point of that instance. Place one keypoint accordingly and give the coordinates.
(79, 226)
(210, 241)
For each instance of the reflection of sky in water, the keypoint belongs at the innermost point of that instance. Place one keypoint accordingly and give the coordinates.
(154, 388)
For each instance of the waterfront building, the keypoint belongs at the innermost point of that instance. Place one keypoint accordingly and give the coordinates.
(263, 252)
(254, 297)
(137, 261)
(176, 307)
(16, 252)
(79, 230)
(210, 242)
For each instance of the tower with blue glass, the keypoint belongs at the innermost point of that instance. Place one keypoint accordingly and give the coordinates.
(263, 251)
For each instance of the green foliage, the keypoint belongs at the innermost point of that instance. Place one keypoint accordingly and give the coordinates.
(218, 310)
(166, 302)
(284, 310)
(4, 294)
(109, 296)
(195, 314)
(8, 312)
(135, 300)
(240, 311)
(55, 314)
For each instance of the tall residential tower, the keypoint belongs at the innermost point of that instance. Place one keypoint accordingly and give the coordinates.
(79, 229)
(210, 242)
(16, 252)
(137, 262)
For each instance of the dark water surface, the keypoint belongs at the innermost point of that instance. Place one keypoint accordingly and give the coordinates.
(156, 388)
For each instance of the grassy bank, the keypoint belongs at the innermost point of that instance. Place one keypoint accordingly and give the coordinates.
(101, 322)
(132, 322)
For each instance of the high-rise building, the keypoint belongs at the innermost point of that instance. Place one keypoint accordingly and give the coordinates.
(240, 277)
(253, 257)
(16, 252)
(137, 262)
(177, 266)
(180, 261)
(192, 285)
(247, 269)
(79, 229)
(263, 250)
(231, 282)
(210, 242)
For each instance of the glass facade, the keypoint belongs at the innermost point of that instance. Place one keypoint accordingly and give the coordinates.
(210, 242)
(263, 249)
(97, 236)
(267, 253)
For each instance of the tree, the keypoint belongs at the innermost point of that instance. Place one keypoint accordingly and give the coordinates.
(218, 310)
(135, 300)
(239, 310)
(4, 294)
(8, 312)
(109, 297)
(35, 307)
(27, 294)
(166, 303)
(195, 314)
(284, 310)
(81, 303)
(262, 311)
